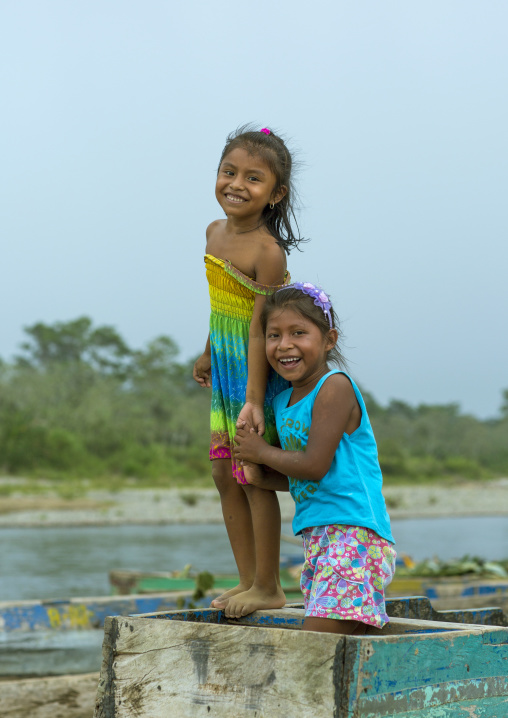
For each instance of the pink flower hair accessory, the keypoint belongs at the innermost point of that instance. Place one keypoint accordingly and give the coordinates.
(266, 131)
(320, 298)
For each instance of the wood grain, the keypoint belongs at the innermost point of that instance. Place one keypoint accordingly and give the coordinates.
(55, 697)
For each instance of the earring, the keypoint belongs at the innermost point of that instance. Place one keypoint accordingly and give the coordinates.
(272, 205)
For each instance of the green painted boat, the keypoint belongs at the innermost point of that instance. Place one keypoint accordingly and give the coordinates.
(124, 582)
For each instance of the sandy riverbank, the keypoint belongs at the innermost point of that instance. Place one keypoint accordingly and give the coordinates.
(160, 506)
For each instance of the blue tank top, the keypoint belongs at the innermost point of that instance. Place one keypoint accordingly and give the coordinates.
(350, 493)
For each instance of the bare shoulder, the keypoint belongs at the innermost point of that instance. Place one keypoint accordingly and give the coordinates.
(337, 388)
(270, 261)
(218, 225)
(214, 230)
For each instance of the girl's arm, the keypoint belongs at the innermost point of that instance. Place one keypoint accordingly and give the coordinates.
(331, 416)
(202, 369)
(265, 477)
(203, 366)
(270, 272)
(253, 410)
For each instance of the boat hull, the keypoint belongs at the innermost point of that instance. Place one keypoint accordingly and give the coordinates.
(197, 663)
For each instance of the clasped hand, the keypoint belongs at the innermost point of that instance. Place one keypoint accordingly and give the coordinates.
(248, 444)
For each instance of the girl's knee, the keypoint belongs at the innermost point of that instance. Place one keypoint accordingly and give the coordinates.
(222, 474)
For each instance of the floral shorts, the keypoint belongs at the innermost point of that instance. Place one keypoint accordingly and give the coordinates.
(345, 573)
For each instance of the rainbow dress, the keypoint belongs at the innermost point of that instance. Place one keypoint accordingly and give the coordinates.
(232, 296)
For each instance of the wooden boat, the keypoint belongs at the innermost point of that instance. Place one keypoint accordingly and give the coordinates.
(124, 582)
(70, 696)
(420, 608)
(191, 664)
(454, 592)
(85, 613)
(50, 651)
(468, 582)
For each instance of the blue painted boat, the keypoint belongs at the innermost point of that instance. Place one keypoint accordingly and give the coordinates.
(64, 636)
(85, 613)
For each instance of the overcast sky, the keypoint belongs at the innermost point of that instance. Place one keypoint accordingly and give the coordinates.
(113, 117)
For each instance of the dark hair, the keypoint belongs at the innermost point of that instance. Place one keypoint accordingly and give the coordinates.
(272, 149)
(304, 305)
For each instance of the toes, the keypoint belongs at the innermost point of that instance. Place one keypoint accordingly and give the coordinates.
(233, 611)
(219, 604)
(220, 601)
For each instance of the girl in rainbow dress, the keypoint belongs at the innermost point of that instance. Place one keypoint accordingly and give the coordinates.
(245, 262)
(330, 456)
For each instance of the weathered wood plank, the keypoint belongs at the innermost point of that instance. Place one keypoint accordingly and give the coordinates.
(55, 697)
(191, 670)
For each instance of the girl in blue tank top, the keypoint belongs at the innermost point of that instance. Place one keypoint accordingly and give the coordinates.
(328, 460)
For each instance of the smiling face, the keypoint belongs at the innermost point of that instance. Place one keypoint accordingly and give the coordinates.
(245, 185)
(296, 348)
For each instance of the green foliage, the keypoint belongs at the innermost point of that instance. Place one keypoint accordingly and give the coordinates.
(429, 441)
(79, 402)
(74, 342)
(392, 459)
(462, 466)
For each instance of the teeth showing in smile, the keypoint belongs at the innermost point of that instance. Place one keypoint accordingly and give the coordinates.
(234, 198)
(289, 360)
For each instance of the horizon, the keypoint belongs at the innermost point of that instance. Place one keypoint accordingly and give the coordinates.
(182, 360)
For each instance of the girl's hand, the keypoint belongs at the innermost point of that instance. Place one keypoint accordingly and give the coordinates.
(249, 445)
(254, 416)
(202, 370)
(264, 478)
(253, 474)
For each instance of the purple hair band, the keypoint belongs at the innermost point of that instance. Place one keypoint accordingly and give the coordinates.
(316, 293)
(266, 131)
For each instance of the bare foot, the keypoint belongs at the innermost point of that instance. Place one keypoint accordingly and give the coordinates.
(254, 599)
(222, 600)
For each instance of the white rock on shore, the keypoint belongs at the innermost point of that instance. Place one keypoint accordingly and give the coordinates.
(167, 506)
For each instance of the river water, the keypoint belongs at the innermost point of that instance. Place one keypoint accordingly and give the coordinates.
(41, 563)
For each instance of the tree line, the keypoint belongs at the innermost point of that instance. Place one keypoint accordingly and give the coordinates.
(78, 401)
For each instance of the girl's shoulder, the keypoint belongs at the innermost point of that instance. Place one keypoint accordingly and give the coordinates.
(337, 377)
(339, 397)
(335, 387)
(216, 243)
(266, 252)
(270, 266)
(337, 380)
(216, 227)
(268, 249)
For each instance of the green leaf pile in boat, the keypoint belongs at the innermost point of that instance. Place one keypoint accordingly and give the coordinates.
(467, 565)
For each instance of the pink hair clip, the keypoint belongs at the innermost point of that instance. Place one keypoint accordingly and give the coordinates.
(266, 131)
